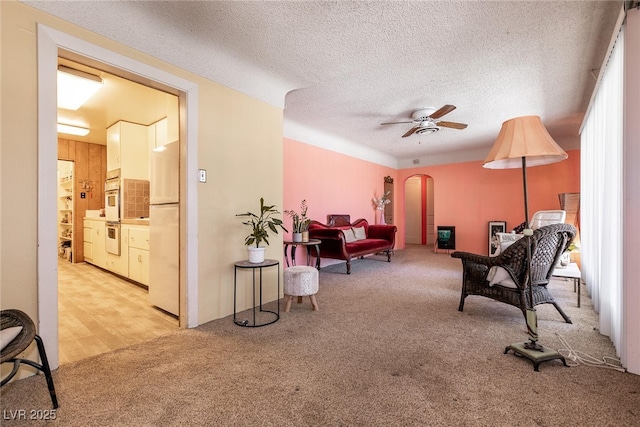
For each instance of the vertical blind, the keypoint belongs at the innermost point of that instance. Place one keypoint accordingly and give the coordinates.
(601, 197)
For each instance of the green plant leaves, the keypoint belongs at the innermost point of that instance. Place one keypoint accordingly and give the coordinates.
(261, 224)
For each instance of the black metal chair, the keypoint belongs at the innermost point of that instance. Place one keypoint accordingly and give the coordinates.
(547, 245)
(11, 318)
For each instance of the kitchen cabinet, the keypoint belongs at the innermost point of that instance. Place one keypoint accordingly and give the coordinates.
(162, 132)
(93, 242)
(87, 241)
(119, 264)
(138, 253)
(128, 150)
(133, 261)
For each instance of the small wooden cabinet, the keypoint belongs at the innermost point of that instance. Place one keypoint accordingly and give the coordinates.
(388, 208)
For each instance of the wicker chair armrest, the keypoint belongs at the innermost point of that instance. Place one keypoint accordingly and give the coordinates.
(476, 259)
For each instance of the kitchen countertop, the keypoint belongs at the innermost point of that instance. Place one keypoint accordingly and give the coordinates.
(126, 221)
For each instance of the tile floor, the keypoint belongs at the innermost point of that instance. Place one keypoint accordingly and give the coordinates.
(99, 312)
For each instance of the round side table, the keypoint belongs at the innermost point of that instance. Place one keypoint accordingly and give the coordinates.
(246, 265)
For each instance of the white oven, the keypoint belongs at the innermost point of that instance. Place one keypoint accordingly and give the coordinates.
(112, 196)
(112, 238)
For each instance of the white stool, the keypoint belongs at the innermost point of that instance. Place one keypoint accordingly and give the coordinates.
(300, 281)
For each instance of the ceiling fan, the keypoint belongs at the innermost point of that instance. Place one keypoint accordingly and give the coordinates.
(425, 120)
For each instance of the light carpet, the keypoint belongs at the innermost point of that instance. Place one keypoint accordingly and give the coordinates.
(388, 347)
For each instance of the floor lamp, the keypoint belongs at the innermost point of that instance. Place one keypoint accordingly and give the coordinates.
(524, 141)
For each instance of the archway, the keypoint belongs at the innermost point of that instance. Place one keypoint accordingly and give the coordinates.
(419, 210)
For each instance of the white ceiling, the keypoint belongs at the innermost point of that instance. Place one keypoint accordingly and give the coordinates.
(347, 66)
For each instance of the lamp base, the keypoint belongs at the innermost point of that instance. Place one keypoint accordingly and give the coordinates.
(536, 355)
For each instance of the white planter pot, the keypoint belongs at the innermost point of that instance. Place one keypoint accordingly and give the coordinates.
(256, 255)
(297, 237)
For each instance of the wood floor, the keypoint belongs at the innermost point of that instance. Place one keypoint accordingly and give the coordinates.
(99, 312)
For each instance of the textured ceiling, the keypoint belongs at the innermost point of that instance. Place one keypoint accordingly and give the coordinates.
(342, 68)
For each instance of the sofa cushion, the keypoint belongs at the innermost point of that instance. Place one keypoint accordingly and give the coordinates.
(359, 233)
(349, 236)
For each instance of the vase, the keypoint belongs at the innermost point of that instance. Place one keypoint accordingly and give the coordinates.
(256, 255)
(305, 236)
(381, 217)
(297, 237)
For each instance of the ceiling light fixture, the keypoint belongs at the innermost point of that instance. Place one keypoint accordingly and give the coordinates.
(75, 87)
(72, 130)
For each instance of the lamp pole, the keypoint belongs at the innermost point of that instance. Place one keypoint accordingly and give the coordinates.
(531, 315)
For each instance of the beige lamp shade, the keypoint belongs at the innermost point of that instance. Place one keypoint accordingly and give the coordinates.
(523, 137)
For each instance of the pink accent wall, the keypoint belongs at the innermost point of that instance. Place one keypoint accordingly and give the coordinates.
(466, 195)
(332, 183)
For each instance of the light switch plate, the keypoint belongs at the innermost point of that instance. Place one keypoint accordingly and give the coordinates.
(202, 175)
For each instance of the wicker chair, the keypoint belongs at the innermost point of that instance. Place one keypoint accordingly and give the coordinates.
(17, 318)
(547, 245)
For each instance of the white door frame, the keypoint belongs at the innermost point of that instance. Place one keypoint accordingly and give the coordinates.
(49, 42)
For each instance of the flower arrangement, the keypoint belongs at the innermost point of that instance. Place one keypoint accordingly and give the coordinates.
(382, 201)
(300, 221)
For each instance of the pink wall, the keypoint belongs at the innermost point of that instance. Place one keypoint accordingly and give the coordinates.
(332, 183)
(466, 195)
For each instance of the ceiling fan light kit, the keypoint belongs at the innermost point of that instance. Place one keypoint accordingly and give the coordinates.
(427, 130)
(425, 121)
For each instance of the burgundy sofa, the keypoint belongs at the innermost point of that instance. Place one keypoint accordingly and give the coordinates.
(378, 238)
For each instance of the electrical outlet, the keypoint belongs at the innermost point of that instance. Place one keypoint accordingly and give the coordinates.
(202, 175)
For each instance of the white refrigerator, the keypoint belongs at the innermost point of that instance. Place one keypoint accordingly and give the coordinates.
(164, 228)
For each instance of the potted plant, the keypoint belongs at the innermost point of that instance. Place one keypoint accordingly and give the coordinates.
(261, 224)
(300, 223)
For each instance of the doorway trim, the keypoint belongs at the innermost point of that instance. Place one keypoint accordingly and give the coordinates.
(49, 42)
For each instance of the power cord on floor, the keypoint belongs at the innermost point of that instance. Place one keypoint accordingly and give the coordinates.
(575, 358)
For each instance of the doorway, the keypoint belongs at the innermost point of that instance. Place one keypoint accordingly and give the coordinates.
(52, 44)
(419, 210)
(103, 297)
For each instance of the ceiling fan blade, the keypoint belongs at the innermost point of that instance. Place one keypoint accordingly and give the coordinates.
(442, 111)
(453, 125)
(411, 131)
(396, 123)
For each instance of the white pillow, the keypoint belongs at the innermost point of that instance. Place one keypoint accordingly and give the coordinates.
(507, 239)
(359, 233)
(348, 235)
(7, 335)
(499, 276)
